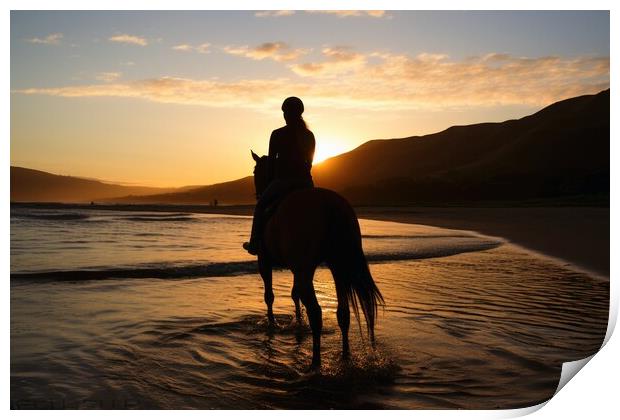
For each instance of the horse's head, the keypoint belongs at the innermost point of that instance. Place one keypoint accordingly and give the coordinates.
(261, 173)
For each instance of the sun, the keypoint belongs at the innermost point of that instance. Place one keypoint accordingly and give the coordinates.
(326, 148)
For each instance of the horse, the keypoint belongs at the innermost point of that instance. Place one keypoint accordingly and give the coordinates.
(309, 227)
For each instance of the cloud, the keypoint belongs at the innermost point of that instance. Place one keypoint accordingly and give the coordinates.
(337, 60)
(180, 91)
(274, 13)
(308, 69)
(51, 39)
(493, 79)
(352, 13)
(202, 48)
(129, 39)
(278, 51)
(341, 54)
(382, 81)
(109, 76)
(182, 47)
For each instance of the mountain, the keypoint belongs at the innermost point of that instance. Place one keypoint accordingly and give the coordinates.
(29, 185)
(560, 151)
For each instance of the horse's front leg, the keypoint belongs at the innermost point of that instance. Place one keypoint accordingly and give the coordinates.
(265, 269)
(295, 297)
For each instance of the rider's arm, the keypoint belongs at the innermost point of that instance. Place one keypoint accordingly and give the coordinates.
(273, 146)
(273, 151)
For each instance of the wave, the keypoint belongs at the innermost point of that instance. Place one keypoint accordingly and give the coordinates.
(158, 271)
(156, 217)
(222, 269)
(160, 219)
(430, 252)
(52, 216)
(447, 235)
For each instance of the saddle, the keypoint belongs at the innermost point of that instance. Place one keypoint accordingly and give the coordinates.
(272, 208)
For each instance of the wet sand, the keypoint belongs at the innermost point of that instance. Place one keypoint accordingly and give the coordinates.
(579, 235)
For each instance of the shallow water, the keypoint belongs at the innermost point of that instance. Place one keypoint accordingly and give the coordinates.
(95, 244)
(487, 325)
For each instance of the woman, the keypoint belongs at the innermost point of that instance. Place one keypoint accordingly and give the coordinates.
(291, 150)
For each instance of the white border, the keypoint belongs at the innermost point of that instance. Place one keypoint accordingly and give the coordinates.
(592, 395)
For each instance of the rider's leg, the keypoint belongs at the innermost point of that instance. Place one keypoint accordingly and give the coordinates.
(271, 193)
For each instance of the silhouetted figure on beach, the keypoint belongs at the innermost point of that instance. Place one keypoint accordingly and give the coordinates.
(291, 150)
(309, 226)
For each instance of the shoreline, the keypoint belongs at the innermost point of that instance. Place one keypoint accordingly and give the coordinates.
(577, 235)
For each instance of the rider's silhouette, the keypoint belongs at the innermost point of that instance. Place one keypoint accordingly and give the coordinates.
(291, 150)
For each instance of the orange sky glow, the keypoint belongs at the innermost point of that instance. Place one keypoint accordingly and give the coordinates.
(179, 98)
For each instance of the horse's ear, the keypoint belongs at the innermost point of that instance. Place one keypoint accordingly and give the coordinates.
(254, 156)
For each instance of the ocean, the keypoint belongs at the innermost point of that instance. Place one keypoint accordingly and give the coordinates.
(127, 309)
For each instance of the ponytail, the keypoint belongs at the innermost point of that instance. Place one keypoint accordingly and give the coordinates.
(297, 123)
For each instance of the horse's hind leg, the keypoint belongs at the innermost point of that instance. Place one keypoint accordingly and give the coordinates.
(305, 289)
(265, 268)
(344, 316)
(295, 297)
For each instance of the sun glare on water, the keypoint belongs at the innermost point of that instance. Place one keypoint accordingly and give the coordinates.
(326, 148)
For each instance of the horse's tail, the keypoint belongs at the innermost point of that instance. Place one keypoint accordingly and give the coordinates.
(349, 266)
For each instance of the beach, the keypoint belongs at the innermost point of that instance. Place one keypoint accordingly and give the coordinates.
(160, 309)
(579, 235)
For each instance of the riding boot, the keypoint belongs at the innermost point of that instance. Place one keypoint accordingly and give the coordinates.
(251, 247)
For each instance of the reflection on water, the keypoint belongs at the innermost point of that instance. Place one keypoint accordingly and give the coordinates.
(182, 344)
(96, 244)
(486, 329)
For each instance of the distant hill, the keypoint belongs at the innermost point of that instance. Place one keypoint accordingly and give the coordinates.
(29, 185)
(240, 191)
(560, 151)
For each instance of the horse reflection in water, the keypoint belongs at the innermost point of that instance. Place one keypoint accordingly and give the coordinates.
(309, 227)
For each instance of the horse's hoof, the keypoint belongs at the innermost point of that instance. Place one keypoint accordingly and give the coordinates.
(314, 368)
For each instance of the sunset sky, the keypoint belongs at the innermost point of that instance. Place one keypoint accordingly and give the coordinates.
(179, 98)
